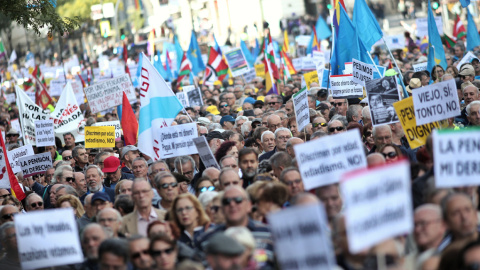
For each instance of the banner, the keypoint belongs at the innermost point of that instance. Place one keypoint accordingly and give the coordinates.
(116, 124)
(343, 86)
(381, 94)
(29, 112)
(322, 162)
(17, 153)
(32, 165)
(237, 62)
(48, 238)
(436, 102)
(466, 59)
(378, 204)
(361, 72)
(176, 140)
(302, 112)
(302, 238)
(205, 152)
(44, 133)
(109, 93)
(307, 64)
(99, 137)
(420, 66)
(455, 159)
(416, 135)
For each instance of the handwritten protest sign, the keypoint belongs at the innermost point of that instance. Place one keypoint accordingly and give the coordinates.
(260, 70)
(48, 238)
(310, 77)
(318, 59)
(32, 165)
(324, 161)
(176, 140)
(302, 238)
(302, 112)
(422, 26)
(237, 62)
(308, 63)
(44, 133)
(456, 160)
(98, 137)
(381, 94)
(205, 152)
(361, 72)
(109, 93)
(250, 75)
(420, 66)
(182, 96)
(297, 63)
(378, 204)
(436, 102)
(466, 59)
(116, 124)
(29, 112)
(15, 155)
(416, 135)
(343, 86)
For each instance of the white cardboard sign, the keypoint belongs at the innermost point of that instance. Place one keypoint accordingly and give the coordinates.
(302, 112)
(205, 152)
(15, 155)
(308, 63)
(456, 158)
(176, 140)
(422, 26)
(44, 133)
(302, 238)
(109, 93)
(420, 66)
(343, 86)
(322, 162)
(35, 164)
(297, 63)
(48, 238)
(378, 204)
(436, 102)
(116, 124)
(56, 86)
(318, 59)
(4, 180)
(182, 96)
(15, 123)
(361, 72)
(466, 59)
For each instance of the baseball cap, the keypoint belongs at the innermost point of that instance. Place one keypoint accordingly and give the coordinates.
(213, 110)
(203, 121)
(214, 135)
(414, 83)
(227, 118)
(102, 196)
(467, 70)
(249, 100)
(222, 244)
(127, 149)
(322, 92)
(110, 164)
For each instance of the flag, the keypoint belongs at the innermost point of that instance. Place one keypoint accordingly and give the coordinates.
(323, 29)
(288, 63)
(436, 54)
(159, 107)
(178, 51)
(157, 63)
(168, 63)
(465, 3)
(459, 30)
(365, 24)
(3, 52)
(271, 70)
(286, 45)
(195, 55)
(129, 122)
(248, 55)
(185, 68)
(284, 72)
(27, 84)
(81, 79)
(256, 50)
(313, 45)
(449, 41)
(473, 38)
(217, 47)
(7, 177)
(424, 44)
(217, 69)
(261, 53)
(151, 43)
(125, 58)
(42, 98)
(138, 4)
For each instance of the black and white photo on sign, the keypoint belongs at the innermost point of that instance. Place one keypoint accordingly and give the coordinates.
(195, 97)
(382, 93)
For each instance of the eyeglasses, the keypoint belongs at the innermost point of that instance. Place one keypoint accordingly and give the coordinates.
(210, 188)
(319, 124)
(227, 201)
(296, 181)
(390, 154)
(337, 104)
(272, 103)
(166, 185)
(463, 76)
(368, 134)
(283, 137)
(224, 106)
(214, 208)
(67, 158)
(156, 253)
(137, 255)
(8, 216)
(332, 129)
(69, 179)
(101, 220)
(39, 204)
(186, 208)
(4, 196)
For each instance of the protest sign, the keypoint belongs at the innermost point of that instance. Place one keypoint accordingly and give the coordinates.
(116, 124)
(237, 62)
(422, 26)
(318, 59)
(436, 102)
(420, 66)
(4, 180)
(378, 204)
(303, 40)
(343, 86)
(32, 165)
(44, 133)
(260, 70)
(29, 112)
(348, 68)
(466, 59)
(381, 94)
(456, 153)
(307, 63)
(109, 93)
(17, 153)
(361, 72)
(205, 152)
(15, 123)
(78, 91)
(297, 64)
(48, 238)
(395, 42)
(250, 75)
(302, 238)
(322, 162)
(302, 112)
(176, 140)
(310, 77)
(56, 87)
(31, 95)
(10, 98)
(194, 97)
(182, 96)
(416, 135)
(98, 137)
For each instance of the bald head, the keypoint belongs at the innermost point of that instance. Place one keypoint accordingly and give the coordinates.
(305, 198)
(292, 142)
(375, 159)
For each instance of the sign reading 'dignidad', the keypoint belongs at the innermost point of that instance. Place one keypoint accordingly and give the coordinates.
(176, 140)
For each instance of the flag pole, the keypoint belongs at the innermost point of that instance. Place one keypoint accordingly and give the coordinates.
(394, 61)
(373, 62)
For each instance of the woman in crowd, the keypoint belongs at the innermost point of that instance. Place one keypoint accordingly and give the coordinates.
(70, 201)
(272, 197)
(204, 184)
(11, 200)
(391, 152)
(368, 136)
(164, 251)
(214, 209)
(226, 148)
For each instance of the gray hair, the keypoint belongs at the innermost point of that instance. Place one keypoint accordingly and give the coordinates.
(285, 171)
(353, 111)
(366, 112)
(281, 159)
(99, 156)
(75, 150)
(375, 128)
(246, 127)
(469, 106)
(3, 230)
(60, 171)
(223, 158)
(206, 197)
(155, 163)
(318, 134)
(282, 129)
(179, 161)
(94, 167)
(141, 159)
(160, 176)
(241, 118)
(119, 216)
(266, 132)
(107, 233)
(340, 118)
(29, 197)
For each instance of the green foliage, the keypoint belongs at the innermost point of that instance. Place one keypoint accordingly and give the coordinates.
(36, 14)
(79, 8)
(136, 18)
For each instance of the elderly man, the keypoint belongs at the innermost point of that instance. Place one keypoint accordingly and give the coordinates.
(212, 174)
(354, 113)
(282, 135)
(319, 123)
(111, 220)
(279, 162)
(34, 202)
(273, 122)
(224, 252)
(341, 106)
(229, 177)
(460, 216)
(100, 158)
(470, 94)
(292, 178)
(381, 135)
(94, 177)
(227, 122)
(80, 156)
(473, 111)
(67, 156)
(467, 73)
(100, 201)
(125, 187)
(185, 165)
(113, 171)
(167, 187)
(229, 162)
(248, 163)
(267, 140)
(140, 168)
(91, 238)
(79, 183)
(7, 213)
(429, 227)
(331, 199)
(214, 139)
(64, 175)
(139, 255)
(290, 144)
(129, 153)
(335, 127)
(238, 139)
(155, 168)
(144, 214)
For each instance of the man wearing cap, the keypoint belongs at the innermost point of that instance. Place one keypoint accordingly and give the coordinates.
(224, 252)
(467, 73)
(100, 201)
(227, 122)
(12, 138)
(113, 171)
(94, 177)
(215, 139)
(129, 153)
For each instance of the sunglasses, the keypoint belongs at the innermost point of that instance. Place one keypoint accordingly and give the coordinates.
(137, 255)
(332, 129)
(67, 158)
(368, 134)
(39, 204)
(227, 201)
(69, 179)
(224, 106)
(319, 124)
(210, 188)
(8, 216)
(463, 76)
(166, 185)
(272, 103)
(4, 196)
(214, 208)
(337, 104)
(390, 154)
(156, 253)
